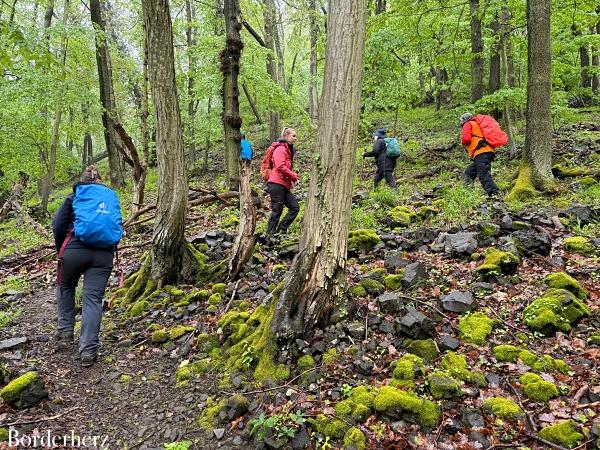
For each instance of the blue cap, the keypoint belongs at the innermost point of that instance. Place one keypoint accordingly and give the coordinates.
(380, 133)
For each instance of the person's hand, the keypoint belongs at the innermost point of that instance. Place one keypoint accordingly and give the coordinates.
(364, 155)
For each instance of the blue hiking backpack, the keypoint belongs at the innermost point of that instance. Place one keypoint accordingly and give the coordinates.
(392, 147)
(98, 219)
(246, 152)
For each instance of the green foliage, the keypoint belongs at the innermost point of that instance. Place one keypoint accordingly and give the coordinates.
(179, 445)
(14, 283)
(16, 237)
(283, 426)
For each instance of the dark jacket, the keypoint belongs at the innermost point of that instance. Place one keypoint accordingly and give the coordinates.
(383, 161)
(64, 221)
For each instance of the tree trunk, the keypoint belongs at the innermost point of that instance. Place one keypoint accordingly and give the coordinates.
(230, 68)
(207, 143)
(48, 179)
(313, 93)
(535, 171)
(495, 57)
(88, 151)
(270, 30)
(107, 96)
(477, 61)
(380, 6)
(13, 10)
(317, 278)
(191, 41)
(48, 16)
(171, 260)
(596, 58)
(584, 58)
(509, 80)
(252, 104)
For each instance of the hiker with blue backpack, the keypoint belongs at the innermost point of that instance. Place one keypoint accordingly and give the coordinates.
(385, 151)
(87, 228)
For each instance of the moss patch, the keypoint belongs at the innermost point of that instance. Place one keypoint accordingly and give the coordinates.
(357, 291)
(394, 402)
(13, 390)
(426, 349)
(537, 388)
(362, 240)
(208, 419)
(561, 280)
(475, 328)
(498, 262)
(355, 438)
(406, 370)
(564, 433)
(579, 244)
(503, 408)
(506, 352)
(400, 216)
(442, 385)
(372, 286)
(394, 282)
(557, 309)
(456, 366)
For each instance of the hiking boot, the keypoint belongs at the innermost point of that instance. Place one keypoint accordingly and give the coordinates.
(65, 336)
(87, 359)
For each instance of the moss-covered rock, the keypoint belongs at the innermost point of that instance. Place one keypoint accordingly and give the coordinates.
(356, 439)
(503, 408)
(306, 362)
(557, 309)
(579, 244)
(456, 365)
(394, 282)
(208, 419)
(498, 262)
(279, 270)
(179, 330)
(564, 433)
(219, 288)
(159, 336)
(545, 363)
(475, 328)
(407, 369)
(330, 356)
(400, 216)
(362, 240)
(442, 385)
(373, 287)
(358, 291)
(24, 391)
(215, 299)
(561, 280)
(425, 348)
(537, 388)
(138, 308)
(506, 352)
(394, 402)
(333, 428)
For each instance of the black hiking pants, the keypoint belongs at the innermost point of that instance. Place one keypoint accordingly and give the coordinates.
(95, 265)
(481, 167)
(281, 197)
(388, 175)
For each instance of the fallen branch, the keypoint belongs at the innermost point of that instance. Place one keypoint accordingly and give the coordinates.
(545, 442)
(43, 419)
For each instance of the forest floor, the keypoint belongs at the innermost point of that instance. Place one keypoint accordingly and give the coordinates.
(418, 286)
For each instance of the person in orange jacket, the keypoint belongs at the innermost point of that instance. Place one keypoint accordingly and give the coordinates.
(481, 153)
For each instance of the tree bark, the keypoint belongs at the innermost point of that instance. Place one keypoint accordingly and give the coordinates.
(477, 61)
(48, 16)
(191, 41)
(596, 57)
(107, 95)
(48, 180)
(230, 68)
(509, 79)
(380, 6)
(252, 104)
(495, 57)
(171, 260)
(317, 278)
(313, 94)
(272, 70)
(13, 10)
(535, 171)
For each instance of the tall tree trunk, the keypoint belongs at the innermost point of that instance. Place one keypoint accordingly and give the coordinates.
(380, 6)
(107, 96)
(495, 57)
(313, 93)
(536, 163)
(584, 58)
(48, 179)
(272, 70)
(477, 61)
(171, 260)
(509, 79)
(252, 103)
(596, 57)
(191, 42)
(48, 16)
(317, 278)
(230, 68)
(88, 150)
(13, 10)
(207, 145)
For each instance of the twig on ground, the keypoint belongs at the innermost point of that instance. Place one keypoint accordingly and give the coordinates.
(43, 419)
(580, 393)
(545, 442)
(237, 283)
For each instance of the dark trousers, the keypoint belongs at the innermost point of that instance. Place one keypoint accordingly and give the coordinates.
(388, 175)
(481, 167)
(95, 265)
(281, 197)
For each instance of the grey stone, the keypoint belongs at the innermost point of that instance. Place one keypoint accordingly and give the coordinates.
(219, 433)
(364, 366)
(479, 437)
(532, 243)
(447, 342)
(581, 213)
(458, 244)
(493, 379)
(416, 325)
(300, 440)
(237, 405)
(482, 288)
(390, 303)
(356, 329)
(394, 260)
(413, 274)
(386, 327)
(472, 418)
(376, 275)
(29, 395)
(458, 301)
(16, 342)
(506, 222)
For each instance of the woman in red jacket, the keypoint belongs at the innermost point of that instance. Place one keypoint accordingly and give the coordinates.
(280, 183)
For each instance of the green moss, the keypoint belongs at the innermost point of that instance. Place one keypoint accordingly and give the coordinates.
(538, 389)
(475, 328)
(215, 299)
(579, 244)
(175, 292)
(332, 428)
(125, 378)
(362, 240)
(4, 434)
(362, 396)
(394, 282)
(456, 366)
(426, 212)
(372, 286)
(361, 413)
(208, 419)
(503, 408)
(564, 433)
(498, 262)
(179, 330)
(556, 309)
(489, 229)
(392, 401)
(401, 216)
(200, 295)
(357, 291)
(138, 308)
(442, 385)
(426, 349)
(408, 367)
(219, 288)
(160, 336)
(506, 353)
(355, 438)
(344, 409)
(306, 362)
(330, 356)
(13, 390)
(279, 269)
(523, 188)
(561, 280)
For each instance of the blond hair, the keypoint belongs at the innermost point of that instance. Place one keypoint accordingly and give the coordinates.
(286, 131)
(90, 175)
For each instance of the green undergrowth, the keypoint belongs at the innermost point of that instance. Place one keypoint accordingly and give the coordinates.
(538, 363)
(14, 283)
(19, 237)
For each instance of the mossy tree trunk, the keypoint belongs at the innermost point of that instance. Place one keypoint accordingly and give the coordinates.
(171, 259)
(313, 93)
(535, 171)
(230, 68)
(477, 61)
(317, 277)
(509, 77)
